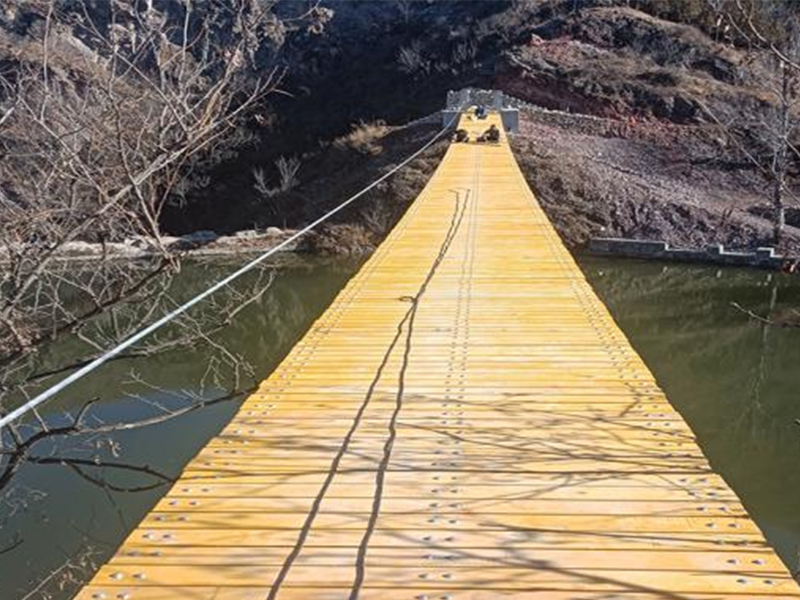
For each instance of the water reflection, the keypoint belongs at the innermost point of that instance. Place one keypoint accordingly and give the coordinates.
(55, 521)
(733, 378)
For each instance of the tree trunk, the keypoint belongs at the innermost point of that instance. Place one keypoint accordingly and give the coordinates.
(780, 163)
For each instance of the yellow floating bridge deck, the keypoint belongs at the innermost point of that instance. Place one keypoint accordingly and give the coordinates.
(465, 422)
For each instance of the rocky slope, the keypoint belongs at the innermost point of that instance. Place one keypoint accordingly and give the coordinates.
(634, 146)
(637, 149)
(649, 179)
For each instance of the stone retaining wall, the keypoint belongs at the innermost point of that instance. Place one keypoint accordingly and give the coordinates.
(763, 258)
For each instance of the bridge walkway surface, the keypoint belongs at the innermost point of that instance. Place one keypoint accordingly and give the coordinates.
(465, 422)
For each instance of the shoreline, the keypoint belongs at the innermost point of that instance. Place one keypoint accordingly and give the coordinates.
(764, 258)
(191, 245)
(250, 242)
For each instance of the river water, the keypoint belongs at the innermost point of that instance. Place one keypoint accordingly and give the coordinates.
(733, 379)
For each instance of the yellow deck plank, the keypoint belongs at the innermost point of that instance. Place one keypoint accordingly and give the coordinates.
(511, 445)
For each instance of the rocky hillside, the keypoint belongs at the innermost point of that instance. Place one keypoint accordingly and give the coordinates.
(647, 120)
(631, 143)
(635, 145)
(643, 179)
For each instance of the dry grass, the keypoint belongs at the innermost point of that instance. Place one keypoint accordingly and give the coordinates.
(364, 138)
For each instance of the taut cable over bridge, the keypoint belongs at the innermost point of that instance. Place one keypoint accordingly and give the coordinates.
(465, 422)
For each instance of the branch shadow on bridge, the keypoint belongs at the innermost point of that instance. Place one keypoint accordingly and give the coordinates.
(506, 448)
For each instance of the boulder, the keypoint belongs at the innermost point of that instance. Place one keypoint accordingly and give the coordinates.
(247, 233)
(146, 243)
(124, 249)
(80, 249)
(204, 236)
(195, 239)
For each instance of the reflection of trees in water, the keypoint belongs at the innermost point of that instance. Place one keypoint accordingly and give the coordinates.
(763, 348)
(300, 293)
(259, 335)
(683, 316)
(70, 478)
(733, 378)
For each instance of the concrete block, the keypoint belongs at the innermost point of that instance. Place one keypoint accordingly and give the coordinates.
(687, 255)
(641, 247)
(765, 258)
(510, 118)
(627, 247)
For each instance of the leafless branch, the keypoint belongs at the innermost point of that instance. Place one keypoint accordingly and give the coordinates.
(96, 139)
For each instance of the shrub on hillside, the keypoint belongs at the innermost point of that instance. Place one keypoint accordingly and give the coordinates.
(364, 138)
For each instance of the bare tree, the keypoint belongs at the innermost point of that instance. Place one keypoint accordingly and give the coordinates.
(779, 130)
(406, 8)
(775, 55)
(287, 172)
(270, 195)
(95, 144)
(411, 59)
(113, 111)
(261, 183)
(465, 51)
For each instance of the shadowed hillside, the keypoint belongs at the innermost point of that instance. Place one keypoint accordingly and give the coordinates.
(677, 146)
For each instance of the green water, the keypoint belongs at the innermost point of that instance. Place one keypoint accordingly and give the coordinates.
(69, 524)
(735, 381)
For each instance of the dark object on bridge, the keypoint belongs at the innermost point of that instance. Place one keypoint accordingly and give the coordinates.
(480, 112)
(461, 135)
(490, 135)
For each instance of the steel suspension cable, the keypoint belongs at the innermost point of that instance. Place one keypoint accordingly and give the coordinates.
(141, 334)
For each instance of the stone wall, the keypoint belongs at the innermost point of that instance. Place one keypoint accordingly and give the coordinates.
(491, 99)
(764, 258)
